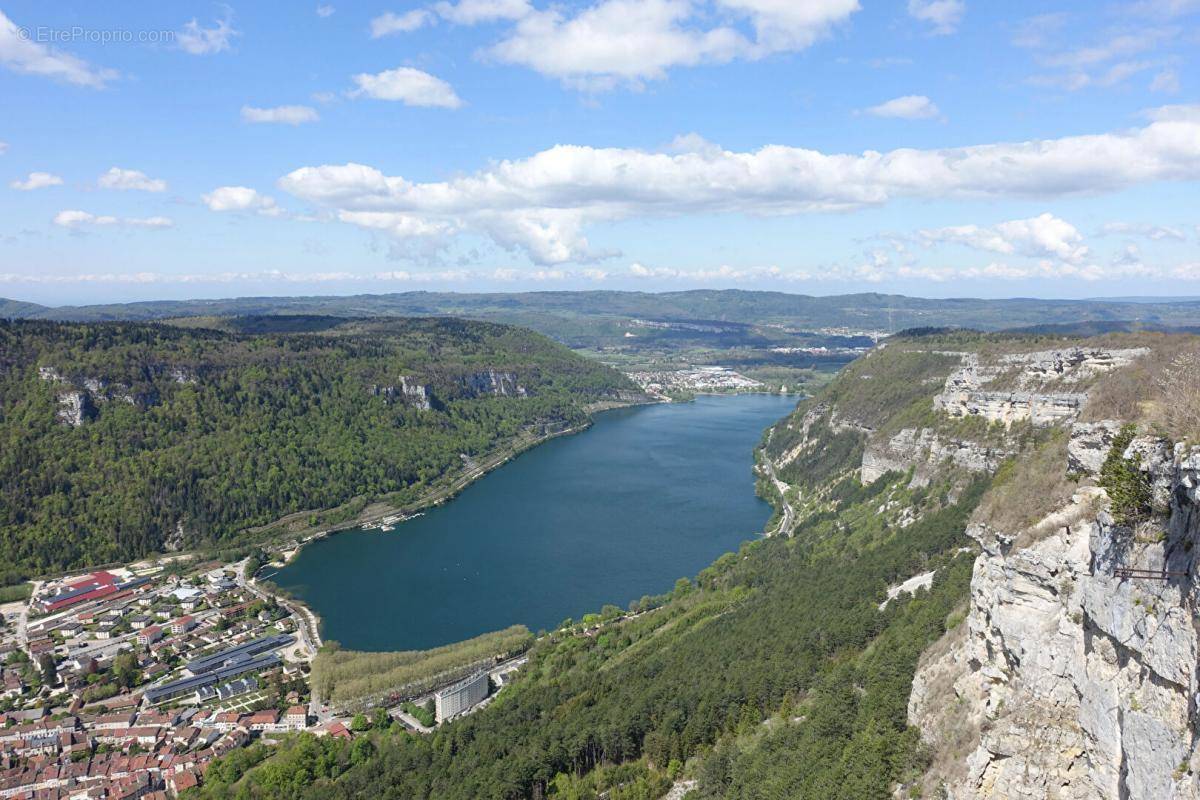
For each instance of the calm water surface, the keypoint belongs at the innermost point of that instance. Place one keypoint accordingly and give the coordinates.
(645, 496)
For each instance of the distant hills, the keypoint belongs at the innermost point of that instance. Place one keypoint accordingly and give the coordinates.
(587, 318)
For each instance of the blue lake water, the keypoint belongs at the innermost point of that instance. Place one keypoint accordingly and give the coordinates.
(645, 496)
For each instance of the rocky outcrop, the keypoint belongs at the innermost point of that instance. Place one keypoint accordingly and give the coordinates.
(925, 452)
(1089, 446)
(1072, 680)
(416, 394)
(1043, 387)
(79, 397)
(75, 408)
(492, 382)
(409, 391)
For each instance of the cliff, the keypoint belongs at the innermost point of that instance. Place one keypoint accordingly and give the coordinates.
(1071, 678)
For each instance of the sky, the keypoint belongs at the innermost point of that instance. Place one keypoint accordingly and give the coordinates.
(926, 147)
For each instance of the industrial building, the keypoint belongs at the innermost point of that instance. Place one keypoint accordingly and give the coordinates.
(186, 686)
(457, 698)
(222, 666)
(243, 651)
(98, 585)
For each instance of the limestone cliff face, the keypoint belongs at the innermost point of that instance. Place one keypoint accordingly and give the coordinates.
(1035, 387)
(80, 396)
(1067, 680)
(1041, 388)
(495, 382)
(924, 451)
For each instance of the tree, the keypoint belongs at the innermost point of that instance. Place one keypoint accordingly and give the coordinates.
(360, 723)
(49, 669)
(125, 670)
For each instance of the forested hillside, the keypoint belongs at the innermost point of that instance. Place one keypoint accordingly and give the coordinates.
(774, 673)
(785, 670)
(118, 439)
(564, 315)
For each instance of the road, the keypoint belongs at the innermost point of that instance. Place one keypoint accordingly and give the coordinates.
(785, 524)
(307, 627)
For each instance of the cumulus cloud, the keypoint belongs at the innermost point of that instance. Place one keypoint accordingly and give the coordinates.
(631, 41)
(200, 41)
(130, 180)
(37, 180)
(76, 219)
(19, 54)
(943, 16)
(325, 11)
(544, 203)
(912, 106)
(1044, 236)
(388, 23)
(240, 198)
(285, 115)
(407, 85)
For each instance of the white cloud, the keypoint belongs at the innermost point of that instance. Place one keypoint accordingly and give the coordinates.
(543, 204)
(943, 16)
(19, 54)
(1161, 10)
(75, 219)
(3, 148)
(913, 106)
(1107, 62)
(240, 198)
(200, 41)
(473, 12)
(1036, 31)
(410, 86)
(37, 180)
(325, 11)
(286, 115)
(631, 41)
(130, 180)
(1155, 232)
(1044, 236)
(1165, 81)
(388, 23)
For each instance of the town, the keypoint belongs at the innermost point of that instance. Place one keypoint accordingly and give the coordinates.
(700, 380)
(128, 682)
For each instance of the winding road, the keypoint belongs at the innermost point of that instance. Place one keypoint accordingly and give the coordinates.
(785, 524)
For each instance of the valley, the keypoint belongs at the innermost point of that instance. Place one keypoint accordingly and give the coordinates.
(870, 645)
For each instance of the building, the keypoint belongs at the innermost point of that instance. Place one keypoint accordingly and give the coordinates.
(455, 699)
(265, 721)
(149, 635)
(228, 657)
(186, 686)
(296, 718)
(98, 585)
(183, 624)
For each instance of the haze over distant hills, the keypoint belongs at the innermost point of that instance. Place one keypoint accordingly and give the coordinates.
(578, 318)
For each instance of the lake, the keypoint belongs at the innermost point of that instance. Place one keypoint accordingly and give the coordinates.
(645, 496)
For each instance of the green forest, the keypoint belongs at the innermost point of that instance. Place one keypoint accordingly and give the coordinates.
(772, 674)
(189, 435)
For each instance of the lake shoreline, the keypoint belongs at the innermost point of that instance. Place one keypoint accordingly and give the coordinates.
(436, 497)
(697, 556)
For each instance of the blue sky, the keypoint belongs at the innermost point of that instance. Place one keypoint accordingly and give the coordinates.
(930, 147)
